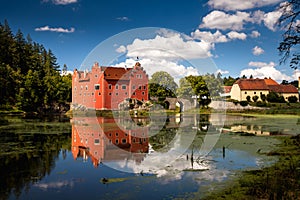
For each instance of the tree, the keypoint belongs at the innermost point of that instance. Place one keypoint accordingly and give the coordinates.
(185, 89)
(200, 89)
(291, 37)
(292, 99)
(255, 98)
(229, 81)
(162, 84)
(274, 97)
(248, 98)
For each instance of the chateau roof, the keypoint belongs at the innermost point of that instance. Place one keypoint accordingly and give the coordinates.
(116, 73)
(265, 84)
(252, 84)
(283, 88)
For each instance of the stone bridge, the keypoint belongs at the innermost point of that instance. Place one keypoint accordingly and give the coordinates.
(183, 104)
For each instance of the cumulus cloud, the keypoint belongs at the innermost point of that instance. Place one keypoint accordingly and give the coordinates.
(151, 66)
(61, 2)
(59, 29)
(257, 51)
(263, 70)
(223, 21)
(296, 74)
(271, 19)
(208, 36)
(240, 4)
(235, 35)
(173, 47)
(222, 71)
(236, 21)
(255, 34)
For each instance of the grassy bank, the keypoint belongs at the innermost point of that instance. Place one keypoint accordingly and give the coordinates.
(280, 181)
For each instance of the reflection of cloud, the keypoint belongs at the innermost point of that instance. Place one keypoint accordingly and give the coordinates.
(55, 185)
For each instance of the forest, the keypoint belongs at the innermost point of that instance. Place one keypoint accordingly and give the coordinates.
(30, 78)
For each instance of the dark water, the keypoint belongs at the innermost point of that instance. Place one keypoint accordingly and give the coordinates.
(119, 158)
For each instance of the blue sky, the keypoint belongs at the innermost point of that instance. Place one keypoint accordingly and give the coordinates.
(236, 37)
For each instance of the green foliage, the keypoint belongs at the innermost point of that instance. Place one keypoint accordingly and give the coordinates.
(244, 103)
(30, 78)
(229, 81)
(274, 97)
(162, 84)
(292, 99)
(248, 98)
(255, 98)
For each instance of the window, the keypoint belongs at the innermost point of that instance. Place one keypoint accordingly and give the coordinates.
(133, 87)
(124, 141)
(109, 86)
(143, 93)
(133, 93)
(126, 93)
(109, 94)
(117, 87)
(144, 87)
(245, 92)
(123, 87)
(97, 141)
(97, 86)
(254, 92)
(117, 134)
(99, 93)
(117, 141)
(86, 87)
(109, 134)
(140, 87)
(96, 75)
(75, 88)
(81, 87)
(94, 100)
(92, 93)
(117, 94)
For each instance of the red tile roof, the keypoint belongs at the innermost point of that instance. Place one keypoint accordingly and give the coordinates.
(252, 84)
(116, 73)
(265, 84)
(227, 89)
(283, 88)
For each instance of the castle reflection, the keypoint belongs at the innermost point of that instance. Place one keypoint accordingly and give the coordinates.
(108, 139)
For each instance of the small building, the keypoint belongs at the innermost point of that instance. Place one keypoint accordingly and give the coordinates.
(105, 88)
(258, 87)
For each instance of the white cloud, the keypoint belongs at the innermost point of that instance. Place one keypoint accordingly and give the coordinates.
(221, 20)
(208, 36)
(263, 70)
(236, 22)
(240, 4)
(222, 71)
(173, 47)
(261, 64)
(61, 2)
(296, 74)
(235, 35)
(59, 29)
(257, 51)
(270, 19)
(151, 66)
(121, 49)
(123, 18)
(255, 34)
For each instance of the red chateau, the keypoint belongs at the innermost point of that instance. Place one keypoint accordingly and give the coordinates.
(104, 88)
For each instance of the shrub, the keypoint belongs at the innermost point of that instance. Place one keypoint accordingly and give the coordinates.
(292, 99)
(244, 103)
(255, 98)
(248, 98)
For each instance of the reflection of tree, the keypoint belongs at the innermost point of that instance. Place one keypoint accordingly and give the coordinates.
(30, 158)
(161, 140)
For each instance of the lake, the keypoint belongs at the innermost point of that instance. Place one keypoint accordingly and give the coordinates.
(156, 157)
